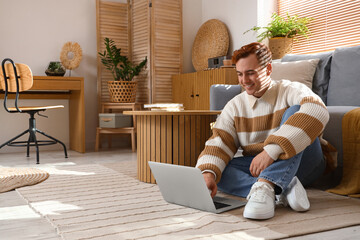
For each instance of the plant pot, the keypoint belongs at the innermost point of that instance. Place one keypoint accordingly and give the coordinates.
(280, 46)
(122, 91)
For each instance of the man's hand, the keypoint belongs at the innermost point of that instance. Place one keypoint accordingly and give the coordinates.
(259, 163)
(210, 183)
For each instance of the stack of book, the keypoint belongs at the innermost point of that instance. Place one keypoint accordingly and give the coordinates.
(173, 107)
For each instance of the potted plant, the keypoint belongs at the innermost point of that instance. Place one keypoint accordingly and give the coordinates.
(123, 88)
(281, 32)
(55, 69)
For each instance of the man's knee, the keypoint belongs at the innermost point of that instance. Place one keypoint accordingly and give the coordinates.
(290, 111)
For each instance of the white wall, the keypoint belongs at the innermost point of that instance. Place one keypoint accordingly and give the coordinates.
(34, 31)
(238, 16)
(192, 20)
(264, 12)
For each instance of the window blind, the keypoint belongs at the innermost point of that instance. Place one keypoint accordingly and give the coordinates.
(335, 23)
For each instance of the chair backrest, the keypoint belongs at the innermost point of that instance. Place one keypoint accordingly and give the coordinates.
(220, 94)
(24, 76)
(14, 78)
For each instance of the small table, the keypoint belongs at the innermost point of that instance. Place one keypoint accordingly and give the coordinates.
(170, 137)
(109, 107)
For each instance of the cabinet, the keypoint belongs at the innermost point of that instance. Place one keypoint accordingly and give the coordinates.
(193, 89)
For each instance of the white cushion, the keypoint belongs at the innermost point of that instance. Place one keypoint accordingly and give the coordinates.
(299, 71)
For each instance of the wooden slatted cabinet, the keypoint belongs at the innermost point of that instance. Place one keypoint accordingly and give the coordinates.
(193, 89)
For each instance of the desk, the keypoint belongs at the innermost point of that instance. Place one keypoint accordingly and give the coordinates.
(170, 137)
(72, 88)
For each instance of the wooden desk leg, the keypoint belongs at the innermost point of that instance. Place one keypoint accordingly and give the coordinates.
(77, 121)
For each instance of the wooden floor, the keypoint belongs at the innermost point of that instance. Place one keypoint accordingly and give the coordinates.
(19, 222)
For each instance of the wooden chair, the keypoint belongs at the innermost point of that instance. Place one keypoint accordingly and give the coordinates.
(16, 78)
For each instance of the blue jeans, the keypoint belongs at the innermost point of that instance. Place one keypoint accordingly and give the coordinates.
(307, 165)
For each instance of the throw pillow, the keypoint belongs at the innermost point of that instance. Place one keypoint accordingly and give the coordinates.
(322, 73)
(298, 71)
(344, 77)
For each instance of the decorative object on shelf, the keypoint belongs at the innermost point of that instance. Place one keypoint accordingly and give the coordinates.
(123, 88)
(281, 32)
(55, 69)
(216, 62)
(212, 40)
(227, 63)
(71, 55)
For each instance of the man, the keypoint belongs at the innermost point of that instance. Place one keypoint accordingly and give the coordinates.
(265, 142)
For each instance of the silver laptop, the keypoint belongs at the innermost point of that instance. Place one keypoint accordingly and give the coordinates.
(186, 186)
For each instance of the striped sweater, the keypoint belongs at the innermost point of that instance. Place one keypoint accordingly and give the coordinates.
(249, 125)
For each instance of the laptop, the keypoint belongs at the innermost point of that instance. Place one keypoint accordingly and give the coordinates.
(186, 186)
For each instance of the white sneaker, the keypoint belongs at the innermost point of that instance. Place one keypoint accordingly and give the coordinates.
(295, 196)
(261, 202)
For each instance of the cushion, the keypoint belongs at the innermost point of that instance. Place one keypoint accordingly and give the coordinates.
(322, 73)
(344, 85)
(298, 71)
(220, 94)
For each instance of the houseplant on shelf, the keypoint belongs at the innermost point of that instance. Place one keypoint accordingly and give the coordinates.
(123, 88)
(281, 32)
(55, 69)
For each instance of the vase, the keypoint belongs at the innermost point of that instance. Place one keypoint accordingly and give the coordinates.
(280, 46)
(122, 91)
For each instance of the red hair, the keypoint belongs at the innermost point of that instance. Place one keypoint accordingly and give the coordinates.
(261, 51)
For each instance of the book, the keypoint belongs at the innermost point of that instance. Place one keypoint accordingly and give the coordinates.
(165, 106)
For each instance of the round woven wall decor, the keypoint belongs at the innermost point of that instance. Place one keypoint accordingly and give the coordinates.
(71, 62)
(212, 40)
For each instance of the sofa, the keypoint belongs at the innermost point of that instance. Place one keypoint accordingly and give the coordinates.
(334, 76)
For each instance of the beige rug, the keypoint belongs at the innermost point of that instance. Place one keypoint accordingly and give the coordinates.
(107, 202)
(11, 178)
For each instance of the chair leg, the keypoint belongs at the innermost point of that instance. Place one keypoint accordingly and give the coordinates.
(56, 140)
(28, 147)
(32, 138)
(14, 138)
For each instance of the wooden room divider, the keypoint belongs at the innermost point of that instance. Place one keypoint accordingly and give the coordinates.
(151, 28)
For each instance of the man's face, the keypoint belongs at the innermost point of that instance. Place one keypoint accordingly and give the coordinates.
(254, 79)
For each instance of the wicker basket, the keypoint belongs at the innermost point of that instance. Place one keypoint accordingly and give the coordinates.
(122, 91)
(280, 46)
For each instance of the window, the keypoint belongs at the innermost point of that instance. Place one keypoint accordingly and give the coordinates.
(335, 23)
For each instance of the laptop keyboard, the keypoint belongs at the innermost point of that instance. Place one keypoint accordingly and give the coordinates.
(219, 205)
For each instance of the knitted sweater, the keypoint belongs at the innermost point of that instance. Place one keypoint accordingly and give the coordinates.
(249, 125)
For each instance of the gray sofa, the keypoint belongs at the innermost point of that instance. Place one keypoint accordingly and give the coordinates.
(336, 81)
